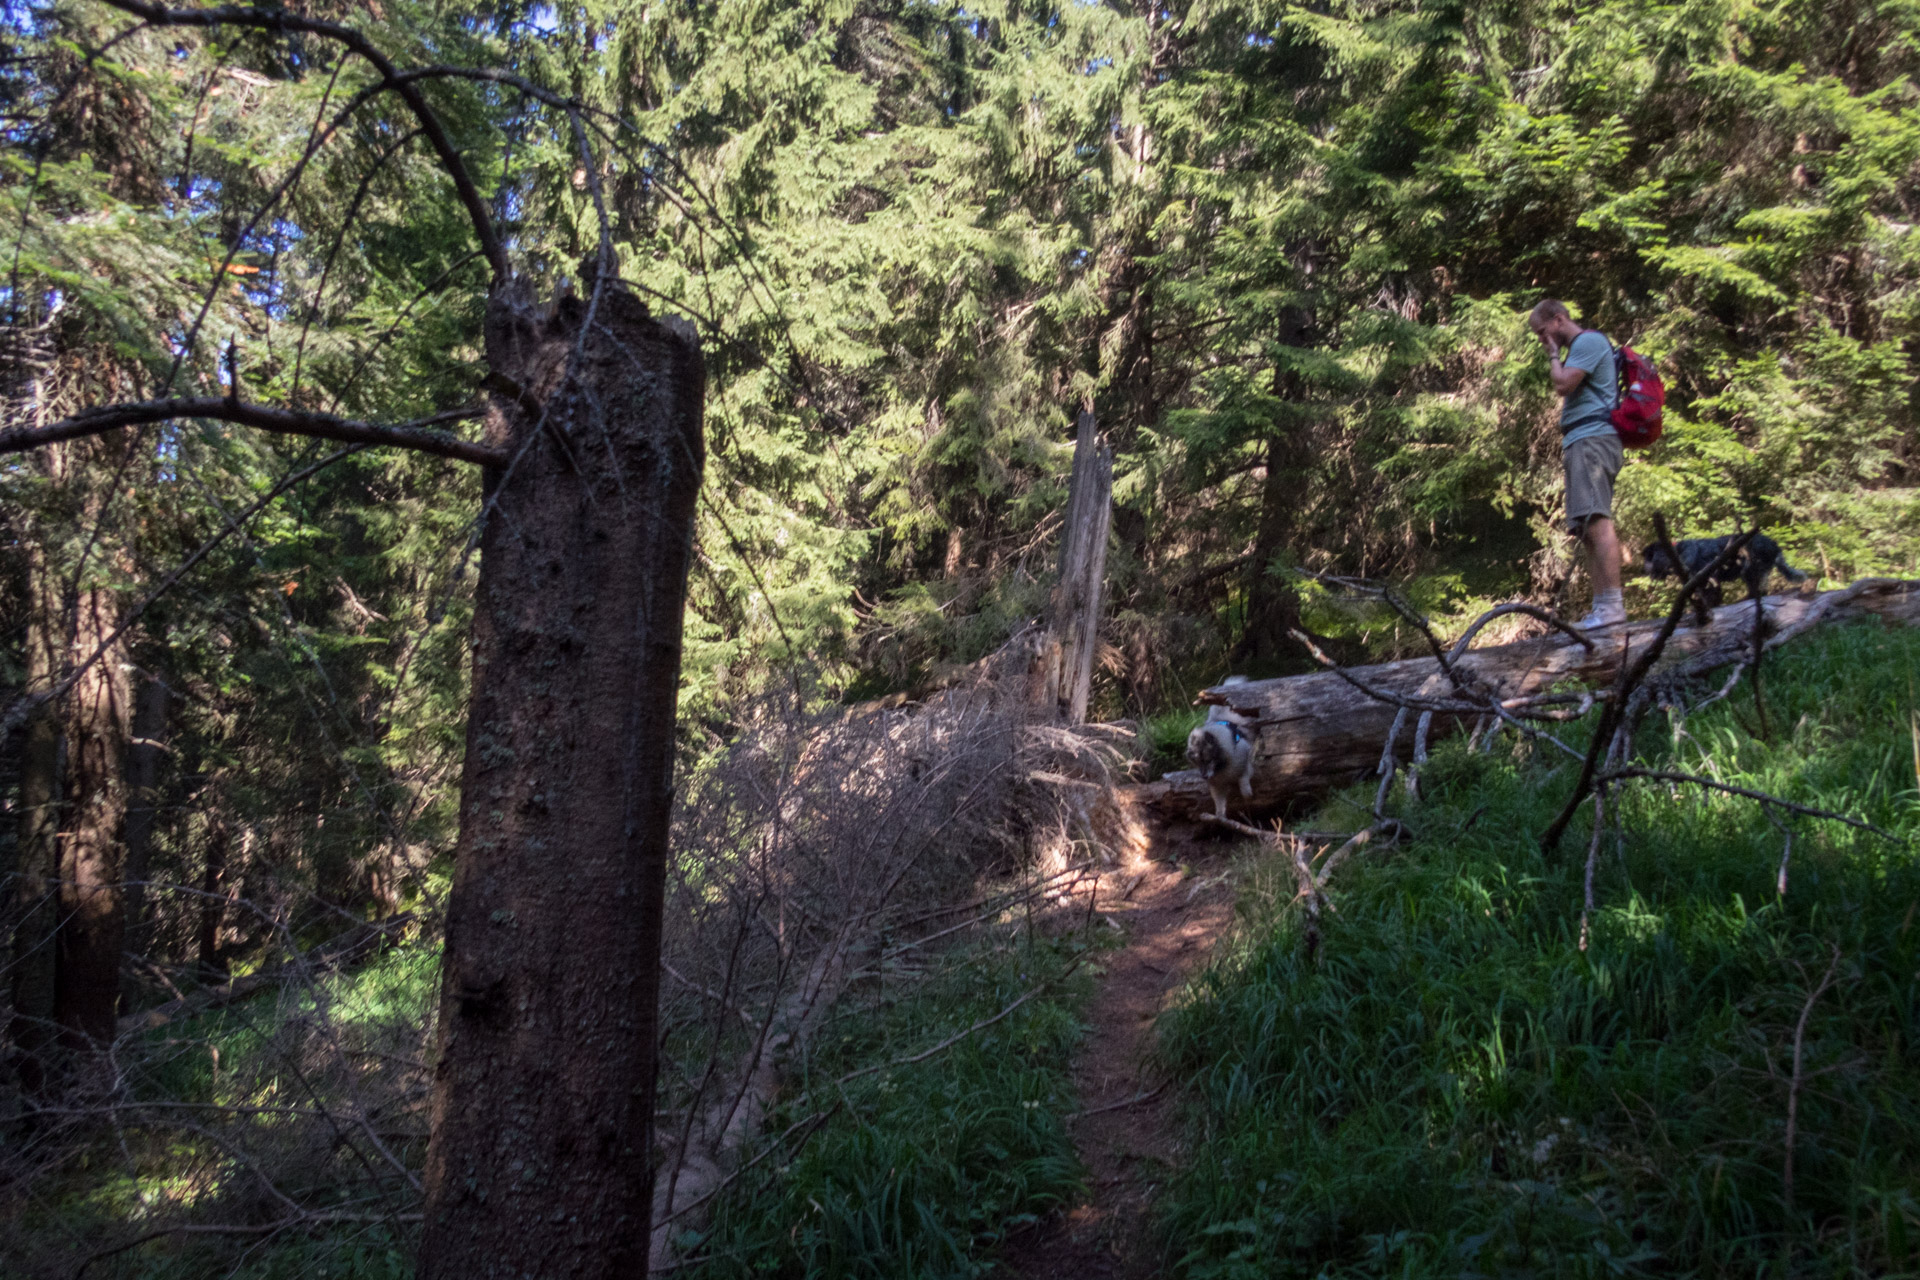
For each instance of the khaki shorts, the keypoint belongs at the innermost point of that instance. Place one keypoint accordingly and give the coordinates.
(1592, 465)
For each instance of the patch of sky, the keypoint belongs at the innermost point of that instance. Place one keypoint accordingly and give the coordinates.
(166, 451)
(24, 17)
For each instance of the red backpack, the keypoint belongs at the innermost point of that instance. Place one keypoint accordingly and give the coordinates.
(1640, 398)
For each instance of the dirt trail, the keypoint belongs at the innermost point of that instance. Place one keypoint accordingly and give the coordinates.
(1127, 1134)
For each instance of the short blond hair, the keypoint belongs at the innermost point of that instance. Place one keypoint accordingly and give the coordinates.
(1549, 309)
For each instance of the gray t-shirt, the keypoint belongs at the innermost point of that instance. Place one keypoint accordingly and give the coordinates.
(1590, 407)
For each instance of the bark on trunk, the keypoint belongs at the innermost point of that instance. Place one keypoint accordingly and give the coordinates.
(213, 902)
(1318, 733)
(540, 1159)
(92, 853)
(143, 802)
(1083, 567)
(34, 912)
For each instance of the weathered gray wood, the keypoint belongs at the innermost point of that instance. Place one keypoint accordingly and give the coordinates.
(1318, 732)
(1083, 567)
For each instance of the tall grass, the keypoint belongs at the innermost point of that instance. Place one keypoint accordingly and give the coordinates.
(1455, 1088)
(920, 1170)
(1165, 738)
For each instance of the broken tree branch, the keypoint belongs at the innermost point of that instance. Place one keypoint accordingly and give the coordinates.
(416, 435)
(1613, 714)
(1664, 775)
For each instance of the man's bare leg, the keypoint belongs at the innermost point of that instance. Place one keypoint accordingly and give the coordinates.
(1603, 554)
(1603, 566)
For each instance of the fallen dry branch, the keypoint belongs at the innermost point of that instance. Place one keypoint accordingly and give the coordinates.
(1618, 715)
(819, 851)
(1267, 833)
(1806, 810)
(1391, 827)
(1145, 1095)
(1793, 1087)
(1312, 884)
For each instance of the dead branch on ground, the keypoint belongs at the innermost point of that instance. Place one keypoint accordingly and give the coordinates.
(819, 853)
(1793, 1086)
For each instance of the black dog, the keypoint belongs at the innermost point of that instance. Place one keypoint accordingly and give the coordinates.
(1751, 565)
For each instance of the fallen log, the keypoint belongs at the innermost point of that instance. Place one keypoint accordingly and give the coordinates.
(1323, 731)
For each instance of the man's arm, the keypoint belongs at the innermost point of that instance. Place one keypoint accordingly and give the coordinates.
(1566, 379)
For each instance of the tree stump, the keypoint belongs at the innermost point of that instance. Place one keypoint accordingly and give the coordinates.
(1068, 678)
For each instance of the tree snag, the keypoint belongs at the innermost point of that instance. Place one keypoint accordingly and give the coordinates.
(541, 1160)
(1083, 566)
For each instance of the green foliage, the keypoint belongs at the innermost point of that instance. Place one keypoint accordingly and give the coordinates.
(1283, 252)
(919, 1170)
(1456, 1085)
(1373, 194)
(1165, 737)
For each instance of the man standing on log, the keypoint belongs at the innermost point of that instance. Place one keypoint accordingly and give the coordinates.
(1589, 446)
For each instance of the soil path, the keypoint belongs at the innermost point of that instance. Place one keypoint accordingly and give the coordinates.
(1128, 1134)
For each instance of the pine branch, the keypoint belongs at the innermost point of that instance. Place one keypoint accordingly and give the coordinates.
(23, 706)
(274, 19)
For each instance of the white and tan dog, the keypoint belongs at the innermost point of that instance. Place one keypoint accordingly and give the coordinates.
(1221, 751)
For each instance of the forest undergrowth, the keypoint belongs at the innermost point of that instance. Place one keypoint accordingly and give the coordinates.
(875, 960)
(923, 1169)
(1723, 1081)
(919, 1169)
(1451, 1085)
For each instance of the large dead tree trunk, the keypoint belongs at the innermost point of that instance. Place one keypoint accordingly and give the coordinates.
(1319, 732)
(540, 1163)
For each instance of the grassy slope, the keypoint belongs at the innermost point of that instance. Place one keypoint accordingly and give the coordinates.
(920, 1171)
(1455, 1088)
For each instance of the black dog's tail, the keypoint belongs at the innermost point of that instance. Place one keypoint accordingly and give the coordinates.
(1792, 574)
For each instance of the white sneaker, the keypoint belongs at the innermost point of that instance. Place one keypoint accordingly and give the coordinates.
(1601, 618)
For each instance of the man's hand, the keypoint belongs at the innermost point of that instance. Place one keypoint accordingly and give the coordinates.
(1566, 381)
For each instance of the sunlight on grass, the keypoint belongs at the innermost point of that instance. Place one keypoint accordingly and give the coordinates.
(1456, 1089)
